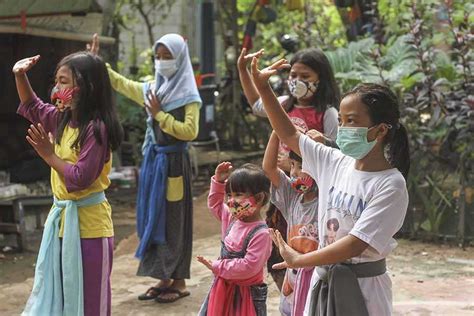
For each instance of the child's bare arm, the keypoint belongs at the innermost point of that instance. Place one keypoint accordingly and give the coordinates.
(270, 160)
(279, 120)
(246, 81)
(21, 67)
(345, 248)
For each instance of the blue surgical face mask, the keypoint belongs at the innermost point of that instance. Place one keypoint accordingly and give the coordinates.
(352, 141)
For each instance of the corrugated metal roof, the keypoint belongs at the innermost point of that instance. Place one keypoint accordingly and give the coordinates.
(14, 8)
(53, 18)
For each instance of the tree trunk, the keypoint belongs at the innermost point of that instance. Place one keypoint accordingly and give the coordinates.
(235, 78)
(148, 24)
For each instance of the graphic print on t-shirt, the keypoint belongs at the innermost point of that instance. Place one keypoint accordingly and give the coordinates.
(303, 237)
(343, 211)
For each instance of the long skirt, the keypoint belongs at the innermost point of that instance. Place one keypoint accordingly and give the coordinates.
(172, 260)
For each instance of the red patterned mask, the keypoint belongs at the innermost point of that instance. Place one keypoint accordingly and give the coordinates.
(302, 184)
(63, 98)
(242, 207)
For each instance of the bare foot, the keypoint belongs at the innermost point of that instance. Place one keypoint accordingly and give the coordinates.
(164, 283)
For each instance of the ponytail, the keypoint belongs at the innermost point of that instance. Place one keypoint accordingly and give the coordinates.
(399, 150)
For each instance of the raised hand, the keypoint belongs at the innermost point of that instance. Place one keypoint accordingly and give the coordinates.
(260, 77)
(22, 66)
(41, 141)
(153, 105)
(223, 171)
(288, 253)
(283, 162)
(244, 59)
(204, 261)
(94, 45)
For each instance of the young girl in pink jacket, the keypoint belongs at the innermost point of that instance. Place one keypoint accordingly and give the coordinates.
(237, 199)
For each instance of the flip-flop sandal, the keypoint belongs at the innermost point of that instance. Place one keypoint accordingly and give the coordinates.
(152, 293)
(173, 299)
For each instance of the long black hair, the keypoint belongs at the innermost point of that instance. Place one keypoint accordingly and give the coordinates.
(250, 179)
(383, 107)
(95, 101)
(327, 94)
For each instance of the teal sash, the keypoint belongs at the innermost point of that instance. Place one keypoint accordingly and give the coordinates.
(59, 291)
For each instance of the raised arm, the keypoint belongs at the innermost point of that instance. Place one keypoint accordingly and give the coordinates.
(129, 88)
(31, 107)
(279, 120)
(25, 92)
(215, 200)
(270, 160)
(248, 86)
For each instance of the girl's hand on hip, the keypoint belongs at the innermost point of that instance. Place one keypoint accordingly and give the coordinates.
(260, 77)
(153, 105)
(93, 47)
(204, 261)
(22, 66)
(244, 59)
(223, 171)
(41, 141)
(288, 253)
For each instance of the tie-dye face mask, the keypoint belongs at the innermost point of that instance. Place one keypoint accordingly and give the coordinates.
(63, 99)
(241, 207)
(302, 185)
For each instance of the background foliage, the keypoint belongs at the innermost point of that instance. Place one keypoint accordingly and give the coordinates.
(424, 53)
(422, 49)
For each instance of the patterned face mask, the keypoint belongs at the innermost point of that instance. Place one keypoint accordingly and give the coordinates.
(241, 207)
(63, 99)
(302, 89)
(302, 185)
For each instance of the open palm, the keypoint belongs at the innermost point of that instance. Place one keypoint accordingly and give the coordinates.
(94, 45)
(287, 253)
(22, 66)
(223, 171)
(260, 77)
(245, 58)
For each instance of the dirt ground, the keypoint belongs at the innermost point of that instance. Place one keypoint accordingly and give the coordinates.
(427, 279)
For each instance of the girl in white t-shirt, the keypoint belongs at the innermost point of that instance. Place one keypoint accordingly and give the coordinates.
(362, 197)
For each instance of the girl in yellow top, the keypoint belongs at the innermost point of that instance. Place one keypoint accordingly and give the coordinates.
(75, 138)
(164, 201)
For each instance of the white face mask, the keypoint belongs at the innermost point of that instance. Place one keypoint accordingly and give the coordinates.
(166, 68)
(302, 89)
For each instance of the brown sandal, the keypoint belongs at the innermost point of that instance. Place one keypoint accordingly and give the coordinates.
(152, 293)
(181, 294)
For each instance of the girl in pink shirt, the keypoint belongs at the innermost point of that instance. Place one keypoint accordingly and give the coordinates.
(237, 200)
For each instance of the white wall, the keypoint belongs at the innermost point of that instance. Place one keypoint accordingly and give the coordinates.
(181, 19)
